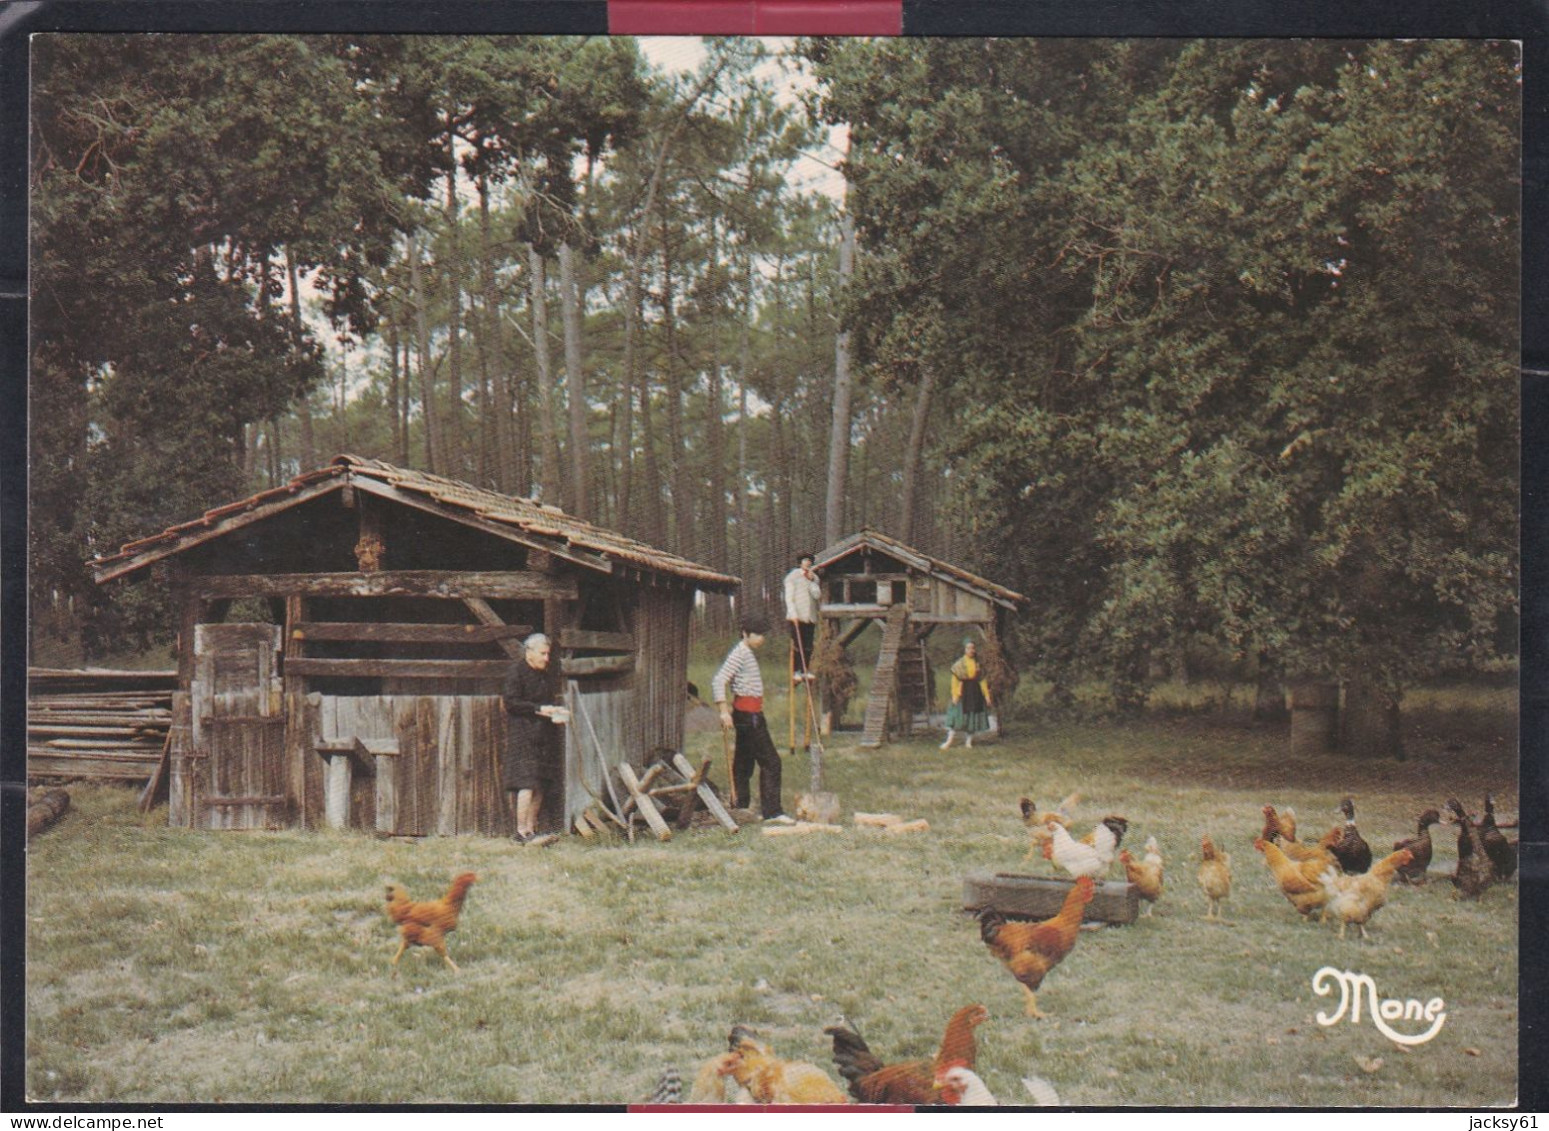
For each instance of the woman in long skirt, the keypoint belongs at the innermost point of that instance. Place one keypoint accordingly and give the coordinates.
(969, 710)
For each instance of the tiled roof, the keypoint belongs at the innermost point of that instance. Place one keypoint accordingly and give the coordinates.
(533, 520)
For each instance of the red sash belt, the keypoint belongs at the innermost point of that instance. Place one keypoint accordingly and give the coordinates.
(751, 704)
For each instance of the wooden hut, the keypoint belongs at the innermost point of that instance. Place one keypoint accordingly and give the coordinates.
(869, 578)
(344, 637)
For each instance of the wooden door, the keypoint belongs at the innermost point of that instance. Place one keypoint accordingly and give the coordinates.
(239, 725)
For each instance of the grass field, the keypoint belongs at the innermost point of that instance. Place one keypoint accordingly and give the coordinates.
(174, 966)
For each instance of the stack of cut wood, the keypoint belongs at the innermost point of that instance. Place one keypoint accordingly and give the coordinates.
(97, 724)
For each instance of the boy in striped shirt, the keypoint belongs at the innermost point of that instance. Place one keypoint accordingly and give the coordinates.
(738, 691)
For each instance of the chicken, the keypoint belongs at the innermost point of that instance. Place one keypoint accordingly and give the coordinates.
(1301, 883)
(1145, 873)
(962, 1087)
(1419, 847)
(1031, 950)
(710, 1083)
(1356, 898)
(771, 1080)
(669, 1088)
(1041, 1091)
(1502, 852)
(1215, 877)
(1036, 819)
(1474, 871)
(1279, 826)
(1080, 858)
(1351, 850)
(429, 922)
(909, 1081)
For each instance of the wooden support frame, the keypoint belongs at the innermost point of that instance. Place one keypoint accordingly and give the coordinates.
(643, 802)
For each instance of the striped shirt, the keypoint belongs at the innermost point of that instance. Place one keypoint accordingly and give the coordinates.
(740, 671)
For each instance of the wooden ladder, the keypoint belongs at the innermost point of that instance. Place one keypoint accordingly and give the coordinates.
(914, 689)
(886, 677)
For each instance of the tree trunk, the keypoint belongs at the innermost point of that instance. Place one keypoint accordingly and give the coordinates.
(43, 809)
(682, 510)
(490, 422)
(571, 293)
(1269, 691)
(839, 427)
(1370, 722)
(745, 351)
(394, 395)
(306, 454)
(629, 521)
(548, 414)
(1314, 718)
(422, 358)
(455, 447)
(914, 453)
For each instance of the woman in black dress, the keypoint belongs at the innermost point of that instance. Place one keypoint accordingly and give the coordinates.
(532, 743)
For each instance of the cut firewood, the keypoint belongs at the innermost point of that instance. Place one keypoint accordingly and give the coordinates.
(800, 828)
(877, 820)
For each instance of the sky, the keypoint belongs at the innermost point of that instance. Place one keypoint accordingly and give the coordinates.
(812, 173)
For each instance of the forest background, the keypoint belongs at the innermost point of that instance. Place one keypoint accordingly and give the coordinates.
(1208, 347)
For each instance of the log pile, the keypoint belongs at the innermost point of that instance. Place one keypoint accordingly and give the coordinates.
(97, 724)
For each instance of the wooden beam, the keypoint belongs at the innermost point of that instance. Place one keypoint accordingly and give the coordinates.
(409, 633)
(411, 669)
(600, 641)
(390, 583)
(487, 616)
(596, 665)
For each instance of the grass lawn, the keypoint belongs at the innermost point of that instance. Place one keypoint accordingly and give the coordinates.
(174, 966)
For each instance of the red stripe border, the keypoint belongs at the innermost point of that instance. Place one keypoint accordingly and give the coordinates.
(755, 17)
(770, 1109)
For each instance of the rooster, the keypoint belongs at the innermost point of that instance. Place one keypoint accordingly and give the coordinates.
(1355, 899)
(771, 1080)
(1215, 877)
(1279, 826)
(1037, 819)
(1145, 873)
(1031, 950)
(910, 1081)
(429, 922)
(1080, 858)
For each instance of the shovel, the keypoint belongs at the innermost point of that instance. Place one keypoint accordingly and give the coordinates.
(731, 782)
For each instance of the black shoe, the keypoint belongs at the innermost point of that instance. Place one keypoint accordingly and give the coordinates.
(522, 838)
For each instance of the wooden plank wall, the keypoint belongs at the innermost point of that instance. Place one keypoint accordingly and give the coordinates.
(444, 780)
(661, 669)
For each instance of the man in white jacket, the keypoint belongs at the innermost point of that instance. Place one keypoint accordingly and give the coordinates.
(802, 596)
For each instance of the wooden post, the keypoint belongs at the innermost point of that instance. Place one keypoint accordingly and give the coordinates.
(336, 791)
